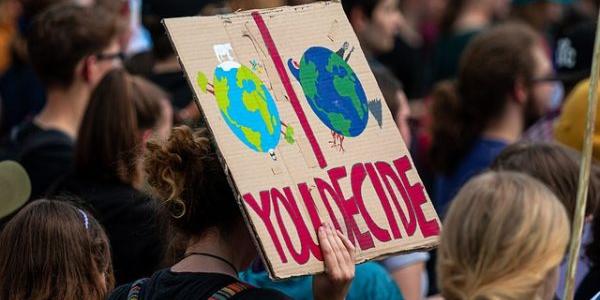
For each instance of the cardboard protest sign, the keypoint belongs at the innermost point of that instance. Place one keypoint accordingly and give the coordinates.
(304, 134)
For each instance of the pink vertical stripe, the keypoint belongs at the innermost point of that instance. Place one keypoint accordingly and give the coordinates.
(276, 58)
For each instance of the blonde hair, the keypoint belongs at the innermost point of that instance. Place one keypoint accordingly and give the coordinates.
(503, 235)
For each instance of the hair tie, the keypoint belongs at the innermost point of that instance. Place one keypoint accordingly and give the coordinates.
(86, 221)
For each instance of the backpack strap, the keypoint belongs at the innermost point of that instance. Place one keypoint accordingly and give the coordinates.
(230, 290)
(136, 289)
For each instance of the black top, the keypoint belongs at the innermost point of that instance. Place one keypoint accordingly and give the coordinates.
(166, 284)
(590, 286)
(130, 220)
(22, 95)
(45, 154)
(176, 85)
(173, 82)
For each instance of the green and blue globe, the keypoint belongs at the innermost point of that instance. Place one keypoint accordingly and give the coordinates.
(333, 90)
(247, 106)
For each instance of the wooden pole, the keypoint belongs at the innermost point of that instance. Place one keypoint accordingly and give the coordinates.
(584, 172)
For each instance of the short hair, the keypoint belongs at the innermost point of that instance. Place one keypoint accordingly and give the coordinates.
(503, 234)
(489, 69)
(367, 6)
(61, 36)
(553, 165)
(53, 250)
(109, 143)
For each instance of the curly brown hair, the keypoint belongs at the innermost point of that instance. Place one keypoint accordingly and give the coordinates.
(185, 174)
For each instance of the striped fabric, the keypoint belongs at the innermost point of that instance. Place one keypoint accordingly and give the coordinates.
(230, 291)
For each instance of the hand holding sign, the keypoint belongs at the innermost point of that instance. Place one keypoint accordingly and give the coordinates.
(338, 254)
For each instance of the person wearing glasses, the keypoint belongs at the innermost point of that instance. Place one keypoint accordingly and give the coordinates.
(500, 91)
(71, 47)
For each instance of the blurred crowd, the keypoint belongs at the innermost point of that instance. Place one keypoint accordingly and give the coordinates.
(111, 187)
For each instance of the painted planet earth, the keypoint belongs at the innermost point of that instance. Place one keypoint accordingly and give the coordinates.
(333, 91)
(247, 106)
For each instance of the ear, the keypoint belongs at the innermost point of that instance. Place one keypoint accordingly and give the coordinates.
(520, 91)
(87, 68)
(146, 135)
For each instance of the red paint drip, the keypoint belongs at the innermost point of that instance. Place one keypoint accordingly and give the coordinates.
(276, 58)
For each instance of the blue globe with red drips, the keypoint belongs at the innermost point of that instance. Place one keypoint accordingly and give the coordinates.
(333, 90)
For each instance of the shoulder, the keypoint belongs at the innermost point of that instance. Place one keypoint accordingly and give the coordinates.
(373, 281)
(120, 292)
(34, 141)
(141, 286)
(124, 204)
(260, 293)
(403, 260)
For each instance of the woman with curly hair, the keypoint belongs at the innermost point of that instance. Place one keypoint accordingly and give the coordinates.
(189, 182)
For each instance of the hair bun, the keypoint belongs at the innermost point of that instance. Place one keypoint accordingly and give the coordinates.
(170, 164)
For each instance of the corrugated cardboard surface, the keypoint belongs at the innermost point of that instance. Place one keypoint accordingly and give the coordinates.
(293, 29)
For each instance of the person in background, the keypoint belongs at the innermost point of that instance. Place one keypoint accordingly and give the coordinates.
(569, 129)
(160, 65)
(558, 168)
(192, 188)
(53, 250)
(504, 237)
(462, 21)
(122, 10)
(123, 113)
(70, 47)
(375, 23)
(541, 15)
(573, 51)
(396, 101)
(237, 5)
(498, 94)
(20, 88)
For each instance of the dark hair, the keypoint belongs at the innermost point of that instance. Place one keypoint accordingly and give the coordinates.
(593, 249)
(551, 164)
(367, 6)
(63, 35)
(186, 176)
(161, 45)
(389, 86)
(48, 253)
(154, 11)
(453, 10)
(32, 8)
(109, 141)
(488, 71)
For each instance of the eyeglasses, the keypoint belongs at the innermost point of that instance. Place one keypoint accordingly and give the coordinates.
(547, 78)
(111, 56)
